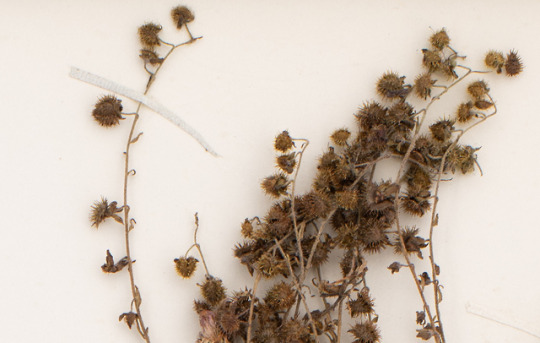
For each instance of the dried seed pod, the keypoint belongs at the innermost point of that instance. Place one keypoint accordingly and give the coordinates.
(269, 266)
(185, 267)
(181, 15)
(102, 210)
(311, 206)
(227, 318)
(464, 112)
(439, 40)
(275, 185)
(287, 162)
(280, 297)
(442, 130)
(148, 35)
(212, 290)
(513, 65)
(432, 60)
(365, 332)
(340, 137)
(108, 111)
(347, 199)
(422, 85)
(495, 59)
(283, 142)
(478, 89)
(392, 86)
(416, 202)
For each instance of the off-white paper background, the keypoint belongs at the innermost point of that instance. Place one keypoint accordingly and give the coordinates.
(262, 67)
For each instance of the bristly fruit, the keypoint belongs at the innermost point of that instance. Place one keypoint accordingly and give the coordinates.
(185, 267)
(513, 65)
(148, 35)
(107, 111)
(102, 210)
(181, 15)
(495, 59)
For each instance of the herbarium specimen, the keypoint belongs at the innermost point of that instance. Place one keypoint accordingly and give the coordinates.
(350, 212)
(108, 112)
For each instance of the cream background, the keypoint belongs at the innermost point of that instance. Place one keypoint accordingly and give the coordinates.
(263, 66)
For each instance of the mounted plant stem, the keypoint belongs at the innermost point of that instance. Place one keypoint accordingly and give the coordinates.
(108, 113)
(349, 212)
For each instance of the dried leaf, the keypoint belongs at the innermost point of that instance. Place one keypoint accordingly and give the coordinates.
(134, 140)
(437, 270)
(137, 298)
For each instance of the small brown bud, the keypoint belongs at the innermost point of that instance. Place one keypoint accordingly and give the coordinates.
(185, 267)
(107, 111)
(148, 35)
(439, 40)
(495, 59)
(391, 86)
(478, 89)
(283, 142)
(394, 267)
(513, 65)
(181, 15)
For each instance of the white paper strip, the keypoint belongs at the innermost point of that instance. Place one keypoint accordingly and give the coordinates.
(114, 87)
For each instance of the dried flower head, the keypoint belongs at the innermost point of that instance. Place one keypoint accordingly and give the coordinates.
(287, 162)
(340, 137)
(102, 210)
(275, 185)
(283, 142)
(391, 86)
(495, 59)
(108, 111)
(227, 319)
(362, 305)
(423, 84)
(185, 267)
(347, 199)
(311, 206)
(439, 40)
(181, 15)
(513, 65)
(269, 266)
(212, 290)
(148, 35)
(365, 332)
(413, 243)
(478, 89)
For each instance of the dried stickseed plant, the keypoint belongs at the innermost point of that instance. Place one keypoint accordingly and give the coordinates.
(349, 212)
(108, 113)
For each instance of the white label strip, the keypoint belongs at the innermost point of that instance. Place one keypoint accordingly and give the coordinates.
(114, 87)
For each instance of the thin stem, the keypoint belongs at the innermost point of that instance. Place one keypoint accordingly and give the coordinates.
(251, 307)
(197, 245)
(128, 224)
